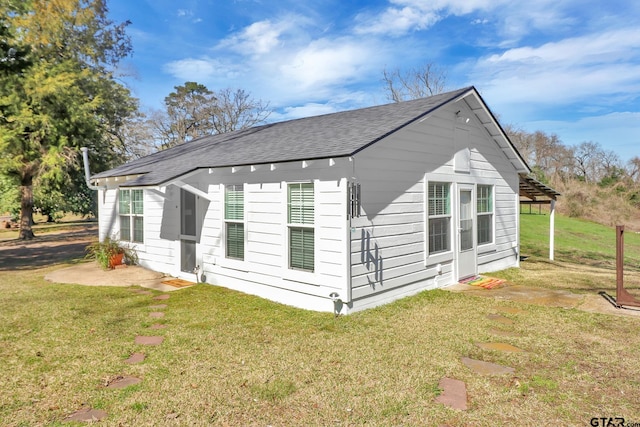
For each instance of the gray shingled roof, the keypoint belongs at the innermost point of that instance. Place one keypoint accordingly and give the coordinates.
(331, 135)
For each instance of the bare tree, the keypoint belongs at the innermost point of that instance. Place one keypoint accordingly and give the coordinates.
(551, 155)
(136, 137)
(236, 110)
(633, 169)
(524, 142)
(415, 83)
(585, 157)
(193, 111)
(609, 164)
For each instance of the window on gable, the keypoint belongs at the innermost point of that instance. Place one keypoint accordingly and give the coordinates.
(439, 217)
(234, 221)
(484, 211)
(131, 215)
(300, 219)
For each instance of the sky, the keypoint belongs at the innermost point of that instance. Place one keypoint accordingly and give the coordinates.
(564, 67)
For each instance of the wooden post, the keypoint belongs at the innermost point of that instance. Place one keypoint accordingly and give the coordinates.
(622, 296)
(619, 259)
(552, 227)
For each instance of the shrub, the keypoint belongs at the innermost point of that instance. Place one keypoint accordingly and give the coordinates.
(105, 251)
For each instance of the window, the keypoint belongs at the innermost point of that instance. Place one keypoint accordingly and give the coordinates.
(439, 217)
(187, 213)
(234, 221)
(485, 214)
(300, 212)
(131, 210)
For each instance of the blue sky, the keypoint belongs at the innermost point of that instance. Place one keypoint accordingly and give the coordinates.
(569, 67)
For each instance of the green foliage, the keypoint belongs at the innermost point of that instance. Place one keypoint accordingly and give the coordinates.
(613, 176)
(61, 94)
(190, 109)
(9, 196)
(104, 251)
(538, 173)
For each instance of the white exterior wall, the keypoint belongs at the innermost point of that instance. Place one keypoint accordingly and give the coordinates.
(388, 242)
(108, 225)
(157, 252)
(374, 259)
(264, 270)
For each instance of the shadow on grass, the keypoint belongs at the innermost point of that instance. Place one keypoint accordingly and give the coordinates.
(47, 249)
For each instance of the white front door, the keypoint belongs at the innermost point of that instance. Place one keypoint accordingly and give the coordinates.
(466, 248)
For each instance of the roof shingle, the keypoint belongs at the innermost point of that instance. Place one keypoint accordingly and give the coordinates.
(330, 135)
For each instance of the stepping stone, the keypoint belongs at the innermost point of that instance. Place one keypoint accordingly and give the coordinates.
(158, 306)
(500, 319)
(161, 297)
(141, 292)
(502, 333)
(509, 310)
(156, 314)
(486, 368)
(454, 393)
(122, 382)
(135, 358)
(86, 414)
(157, 326)
(146, 340)
(499, 346)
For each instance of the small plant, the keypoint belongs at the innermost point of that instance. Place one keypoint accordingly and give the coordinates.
(111, 252)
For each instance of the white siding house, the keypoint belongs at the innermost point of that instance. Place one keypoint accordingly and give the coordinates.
(339, 212)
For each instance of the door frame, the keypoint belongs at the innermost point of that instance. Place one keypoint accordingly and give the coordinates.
(188, 237)
(466, 261)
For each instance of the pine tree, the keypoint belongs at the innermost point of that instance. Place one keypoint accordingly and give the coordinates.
(58, 91)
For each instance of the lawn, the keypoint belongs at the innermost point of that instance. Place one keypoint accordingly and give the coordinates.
(233, 359)
(577, 241)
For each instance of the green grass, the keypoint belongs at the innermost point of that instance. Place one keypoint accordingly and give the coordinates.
(69, 223)
(233, 359)
(577, 241)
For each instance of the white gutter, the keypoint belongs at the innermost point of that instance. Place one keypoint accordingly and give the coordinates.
(87, 174)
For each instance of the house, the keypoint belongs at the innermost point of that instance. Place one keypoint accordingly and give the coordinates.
(339, 212)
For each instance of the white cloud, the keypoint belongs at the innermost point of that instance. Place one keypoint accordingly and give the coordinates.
(570, 70)
(279, 60)
(261, 37)
(593, 48)
(327, 61)
(404, 16)
(198, 69)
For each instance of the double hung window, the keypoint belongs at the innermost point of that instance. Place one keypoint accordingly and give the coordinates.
(439, 217)
(131, 211)
(484, 211)
(234, 221)
(300, 223)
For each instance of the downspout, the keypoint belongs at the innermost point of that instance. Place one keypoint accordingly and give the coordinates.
(87, 174)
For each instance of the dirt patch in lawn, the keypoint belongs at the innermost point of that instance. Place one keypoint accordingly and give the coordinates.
(46, 249)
